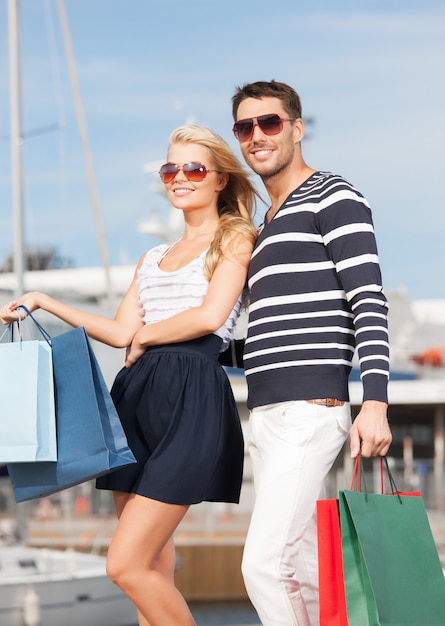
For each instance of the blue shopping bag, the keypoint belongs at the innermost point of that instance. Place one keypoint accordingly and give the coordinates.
(90, 438)
(27, 409)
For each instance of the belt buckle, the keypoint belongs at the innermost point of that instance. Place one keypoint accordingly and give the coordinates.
(331, 402)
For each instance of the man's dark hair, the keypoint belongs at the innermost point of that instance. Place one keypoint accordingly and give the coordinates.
(268, 89)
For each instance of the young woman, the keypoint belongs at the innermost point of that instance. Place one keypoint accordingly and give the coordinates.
(173, 397)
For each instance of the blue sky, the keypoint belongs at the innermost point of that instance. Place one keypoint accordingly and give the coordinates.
(370, 73)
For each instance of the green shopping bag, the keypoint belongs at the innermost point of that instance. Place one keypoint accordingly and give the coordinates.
(392, 571)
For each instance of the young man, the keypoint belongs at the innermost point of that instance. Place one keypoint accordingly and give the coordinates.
(315, 297)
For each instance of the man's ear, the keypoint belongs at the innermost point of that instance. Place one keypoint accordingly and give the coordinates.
(298, 129)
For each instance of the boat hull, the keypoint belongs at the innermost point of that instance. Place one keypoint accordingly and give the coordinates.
(70, 589)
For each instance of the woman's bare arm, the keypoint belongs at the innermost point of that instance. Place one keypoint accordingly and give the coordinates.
(117, 332)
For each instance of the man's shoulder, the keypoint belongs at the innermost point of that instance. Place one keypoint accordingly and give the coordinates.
(323, 184)
(326, 178)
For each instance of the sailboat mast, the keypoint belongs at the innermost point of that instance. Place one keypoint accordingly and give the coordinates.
(17, 146)
(16, 143)
(94, 196)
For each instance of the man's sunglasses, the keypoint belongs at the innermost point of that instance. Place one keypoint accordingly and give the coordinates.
(192, 171)
(270, 124)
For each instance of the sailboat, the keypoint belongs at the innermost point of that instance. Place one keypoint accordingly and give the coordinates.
(49, 587)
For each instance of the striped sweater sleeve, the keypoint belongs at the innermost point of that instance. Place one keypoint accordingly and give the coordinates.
(348, 233)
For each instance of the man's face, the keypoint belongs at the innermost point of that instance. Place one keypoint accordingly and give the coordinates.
(268, 155)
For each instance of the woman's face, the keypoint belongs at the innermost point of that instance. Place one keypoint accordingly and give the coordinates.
(188, 194)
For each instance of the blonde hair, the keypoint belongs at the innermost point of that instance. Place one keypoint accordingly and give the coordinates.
(236, 202)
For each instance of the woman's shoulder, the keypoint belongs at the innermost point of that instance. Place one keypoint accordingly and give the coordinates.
(151, 258)
(154, 254)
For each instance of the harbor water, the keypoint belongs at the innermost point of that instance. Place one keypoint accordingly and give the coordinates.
(223, 614)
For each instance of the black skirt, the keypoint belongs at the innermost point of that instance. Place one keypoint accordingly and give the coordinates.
(182, 425)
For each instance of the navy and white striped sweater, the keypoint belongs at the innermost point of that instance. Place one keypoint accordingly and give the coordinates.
(316, 296)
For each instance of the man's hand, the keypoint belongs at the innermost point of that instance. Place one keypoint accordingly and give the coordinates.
(370, 431)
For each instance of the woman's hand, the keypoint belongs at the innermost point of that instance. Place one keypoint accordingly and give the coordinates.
(9, 313)
(134, 351)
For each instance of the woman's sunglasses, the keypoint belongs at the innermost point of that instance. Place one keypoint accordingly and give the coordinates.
(270, 124)
(192, 171)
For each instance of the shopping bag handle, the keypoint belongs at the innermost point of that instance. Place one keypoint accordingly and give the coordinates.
(10, 330)
(42, 331)
(358, 477)
(356, 474)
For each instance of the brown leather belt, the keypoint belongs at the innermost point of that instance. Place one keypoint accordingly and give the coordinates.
(327, 402)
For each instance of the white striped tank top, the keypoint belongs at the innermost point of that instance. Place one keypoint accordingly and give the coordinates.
(164, 294)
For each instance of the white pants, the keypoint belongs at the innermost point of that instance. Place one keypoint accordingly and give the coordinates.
(293, 445)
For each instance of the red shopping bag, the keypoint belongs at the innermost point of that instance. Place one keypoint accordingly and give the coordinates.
(332, 598)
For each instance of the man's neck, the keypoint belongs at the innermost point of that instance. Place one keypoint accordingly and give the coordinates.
(280, 186)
